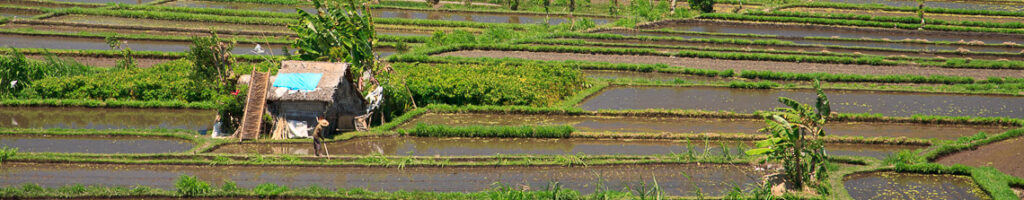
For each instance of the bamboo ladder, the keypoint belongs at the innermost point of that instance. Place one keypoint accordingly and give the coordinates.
(254, 106)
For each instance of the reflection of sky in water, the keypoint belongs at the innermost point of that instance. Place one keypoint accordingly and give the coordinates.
(894, 45)
(973, 5)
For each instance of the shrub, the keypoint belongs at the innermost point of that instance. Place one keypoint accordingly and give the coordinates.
(210, 59)
(7, 153)
(190, 186)
(499, 84)
(23, 71)
(704, 6)
(268, 190)
(166, 81)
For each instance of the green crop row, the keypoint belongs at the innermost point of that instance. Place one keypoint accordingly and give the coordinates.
(461, 84)
(210, 11)
(843, 22)
(948, 149)
(669, 31)
(766, 75)
(144, 14)
(905, 20)
(108, 103)
(868, 60)
(138, 36)
(424, 130)
(772, 42)
(817, 4)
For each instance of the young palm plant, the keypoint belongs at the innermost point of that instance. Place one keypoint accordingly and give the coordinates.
(796, 139)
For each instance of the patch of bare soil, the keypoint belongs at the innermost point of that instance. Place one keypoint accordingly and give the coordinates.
(106, 61)
(718, 64)
(1019, 192)
(1006, 156)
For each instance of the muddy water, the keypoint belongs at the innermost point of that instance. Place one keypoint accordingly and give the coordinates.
(394, 13)
(105, 118)
(107, 20)
(1015, 6)
(714, 180)
(426, 146)
(950, 17)
(699, 125)
(800, 40)
(654, 76)
(844, 101)
(1006, 156)
(94, 144)
(17, 13)
(810, 48)
(57, 42)
(824, 31)
(892, 185)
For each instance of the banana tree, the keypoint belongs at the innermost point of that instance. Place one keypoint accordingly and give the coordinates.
(795, 139)
(338, 32)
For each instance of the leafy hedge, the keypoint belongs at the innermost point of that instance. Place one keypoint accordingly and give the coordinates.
(18, 72)
(166, 81)
(500, 84)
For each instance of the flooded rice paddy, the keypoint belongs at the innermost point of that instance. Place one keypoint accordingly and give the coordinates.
(108, 1)
(892, 185)
(105, 118)
(851, 43)
(1014, 6)
(58, 42)
(18, 13)
(713, 180)
(394, 13)
(787, 30)
(429, 146)
(94, 144)
(843, 101)
(700, 125)
(1007, 156)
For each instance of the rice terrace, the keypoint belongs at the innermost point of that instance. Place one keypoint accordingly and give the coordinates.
(512, 99)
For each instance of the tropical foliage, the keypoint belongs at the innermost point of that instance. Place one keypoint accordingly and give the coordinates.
(490, 84)
(339, 32)
(795, 140)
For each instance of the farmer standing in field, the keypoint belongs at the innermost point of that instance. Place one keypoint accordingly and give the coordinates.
(321, 124)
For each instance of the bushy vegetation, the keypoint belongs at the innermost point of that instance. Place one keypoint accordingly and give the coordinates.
(425, 130)
(17, 72)
(190, 186)
(166, 81)
(7, 153)
(796, 140)
(704, 6)
(501, 84)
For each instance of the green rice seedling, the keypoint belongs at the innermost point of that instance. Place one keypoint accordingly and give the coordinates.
(6, 153)
(269, 190)
(424, 130)
(190, 186)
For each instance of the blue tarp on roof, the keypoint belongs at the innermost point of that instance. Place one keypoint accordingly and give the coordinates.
(298, 81)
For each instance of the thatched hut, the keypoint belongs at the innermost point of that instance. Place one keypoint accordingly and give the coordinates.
(295, 110)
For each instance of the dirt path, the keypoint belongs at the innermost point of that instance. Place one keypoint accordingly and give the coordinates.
(717, 64)
(1006, 155)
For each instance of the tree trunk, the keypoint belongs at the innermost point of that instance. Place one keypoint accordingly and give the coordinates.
(673, 7)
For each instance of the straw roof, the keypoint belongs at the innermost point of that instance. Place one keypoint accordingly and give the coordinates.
(333, 74)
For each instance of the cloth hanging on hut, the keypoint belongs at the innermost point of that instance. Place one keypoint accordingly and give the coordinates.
(298, 81)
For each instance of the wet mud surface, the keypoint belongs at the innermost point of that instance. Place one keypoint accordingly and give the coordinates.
(946, 17)
(1007, 156)
(428, 146)
(892, 185)
(718, 64)
(711, 179)
(105, 118)
(94, 144)
(843, 101)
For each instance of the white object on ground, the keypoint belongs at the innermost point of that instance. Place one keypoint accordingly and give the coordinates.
(297, 129)
(258, 49)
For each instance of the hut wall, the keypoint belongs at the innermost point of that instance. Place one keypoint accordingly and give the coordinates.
(306, 111)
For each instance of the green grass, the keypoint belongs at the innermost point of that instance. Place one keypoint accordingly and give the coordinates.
(904, 20)
(425, 130)
(904, 8)
(947, 149)
(845, 22)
